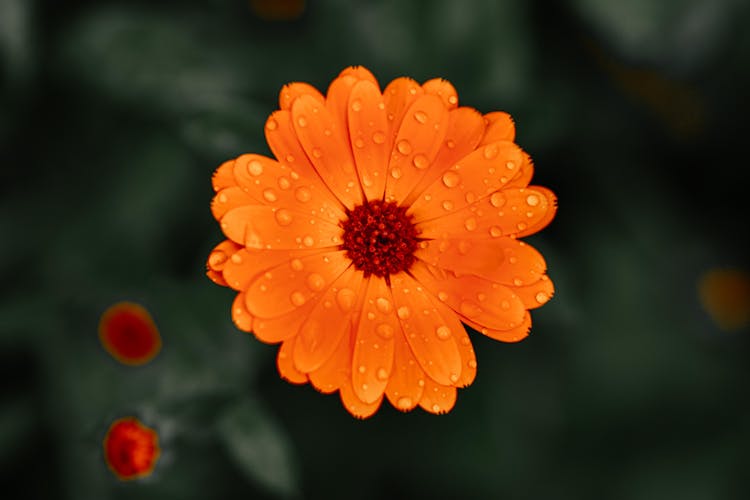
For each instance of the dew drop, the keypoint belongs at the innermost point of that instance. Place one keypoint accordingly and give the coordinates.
(403, 147)
(470, 224)
(272, 124)
(404, 403)
(396, 173)
(420, 161)
(378, 137)
(382, 374)
(447, 205)
(443, 332)
(223, 198)
(237, 258)
(283, 217)
(361, 369)
(450, 143)
(358, 142)
(454, 378)
(317, 153)
(464, 247)
(496, 232)
(420, 116)
(403, 312)
(356, 105)
(302, 194)
(451, 179)
(345, 298)
(255, 168)
(521, 226)
(385, 330)
(443, 296)
(542, 297)
(269, 195)
(371, 315)
(497, 199)
(490, 151)
(289, 159)
(383, 305)
(436, 407)
(453, 100)
(315, 282)
(532, 200)
(296, 265)
(517, 281)
(297, 298)
(302, 121)
(505, 305)
(308, 241)
(472, 364)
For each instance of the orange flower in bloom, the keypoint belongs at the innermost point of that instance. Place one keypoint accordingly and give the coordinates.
(131, 449)
(386, 220)
(128, 333)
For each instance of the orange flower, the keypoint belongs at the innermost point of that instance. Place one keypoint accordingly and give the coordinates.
(131, 449)
(386, 220)
(128, 333)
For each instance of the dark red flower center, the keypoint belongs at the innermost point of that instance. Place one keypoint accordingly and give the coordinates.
(380, 238)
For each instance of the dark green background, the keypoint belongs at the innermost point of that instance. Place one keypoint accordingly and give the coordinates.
(113, 116)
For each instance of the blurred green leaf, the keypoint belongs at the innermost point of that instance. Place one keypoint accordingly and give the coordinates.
(260, 447)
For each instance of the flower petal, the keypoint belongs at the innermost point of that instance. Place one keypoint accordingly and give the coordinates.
(291, 91)
(468, 358)
(398, 96)
(336, 371)
(360, 73)
(282, 328)
(418, 140)
(368, 128)
(240, 315)
(503, 260)
(524, 174)
(223, 176)
(244, 264)
(354, 405)
(328, 320)
(465, 129)
(337, 96)
(229, 198)
(286, 287)
(266, 227)
(549, 214)
(508, 212)
(405, 387)
(514, 334)
(286, 366)
(282, 139)
(442, 89)
(327, 147)
(428, 328)
(218, 258)
(500, 127)
(535, 294)
(437, 399)
(372, 360)
(475, 176)
(488, 304)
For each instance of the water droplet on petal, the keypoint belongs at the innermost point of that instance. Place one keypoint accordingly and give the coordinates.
(383, 305)
(272, 124)
(451, 179)
(443, 296)
(443, 332)
(450, 143)
(378, 137)
(255, 168)
(302, 194)
(289, 159)
(447, 205)
(316, 282)
(510, 165)
(297, 298)
(358, 142)
(385, 330)
(302, 121)
(308, 241)
(420, 116)
(420, 161)
(454, 377)
(496, 232)
(396, 173)
(532, 200)
(382, 374)
(283, 217)
(453, 100)
(542, 297)
(371, 315)
(403, 312)
(521, 226)
(269, 195)
(237, 258)
(361, 369)
(470, 224)
(317, 153)
(472, 363)
(296, 265)
(491, 151)
(356, 105)
(345, 298)
(497, 199)
(403, 147)
(436, 407)
(404, 403)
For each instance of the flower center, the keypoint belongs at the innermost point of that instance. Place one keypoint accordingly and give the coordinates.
(380, 238)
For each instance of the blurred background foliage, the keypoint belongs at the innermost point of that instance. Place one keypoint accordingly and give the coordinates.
(113, 116)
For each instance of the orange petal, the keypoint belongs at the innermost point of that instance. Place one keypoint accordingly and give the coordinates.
(372, 360)
(266, 227)
(468, 358)
(442, 89)
(360, 73)
(218, 258)
(337, 96)
(515, 334)
(524, 174)
(286, 366)
(282, 328)
(335, 372)
(293, 90)
(284, 288)
(405, 387)
(535, 294)
(488, 304)
(418, 140)
(428, 328)
(223, 176)
(509, 212)
(330, 318)
(229, 198)
(549, 214)
(327, 146)
(244, 264)
(437, 399)
(465, 129)
(398, 96)
(503, 260)
(354, 405)
(240, 315)
(368, 128)
(475, 176)
(282, 139)
(500, 127)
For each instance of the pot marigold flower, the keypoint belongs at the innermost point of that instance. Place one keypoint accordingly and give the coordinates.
(129, 334)
(386, 221)
(131, 449)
